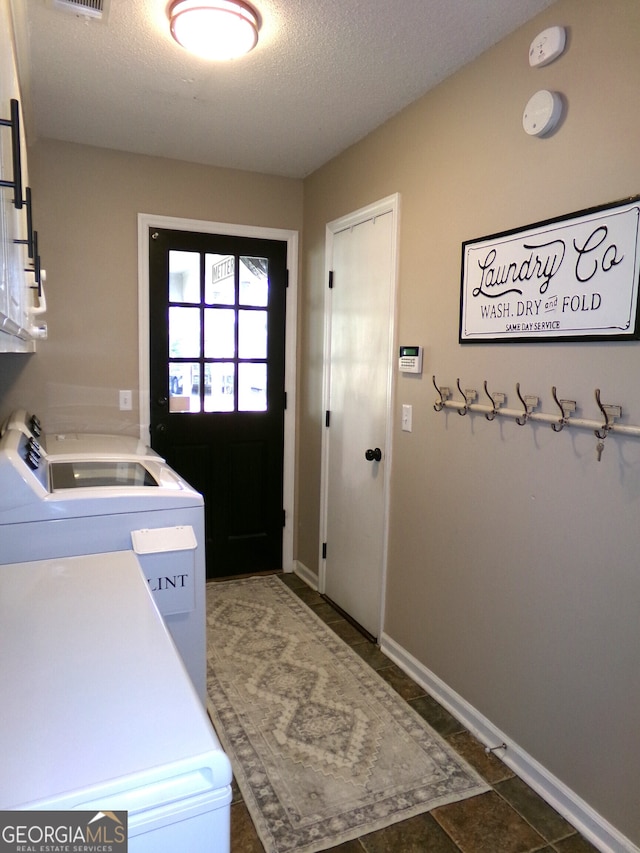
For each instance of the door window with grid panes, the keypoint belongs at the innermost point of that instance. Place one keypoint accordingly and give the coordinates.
(217, 332)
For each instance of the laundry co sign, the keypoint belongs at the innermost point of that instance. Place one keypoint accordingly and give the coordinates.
(569, 278)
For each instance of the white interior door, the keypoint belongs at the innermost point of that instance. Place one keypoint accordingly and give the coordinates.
(359, 385)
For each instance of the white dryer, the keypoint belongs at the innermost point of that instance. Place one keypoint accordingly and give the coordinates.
(60, 507)
(98, 713)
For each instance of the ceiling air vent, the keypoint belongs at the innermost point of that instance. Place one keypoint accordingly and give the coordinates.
(97, 9)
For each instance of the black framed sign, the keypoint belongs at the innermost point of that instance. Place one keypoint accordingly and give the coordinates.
(570, 278)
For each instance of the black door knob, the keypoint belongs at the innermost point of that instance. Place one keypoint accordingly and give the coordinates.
(162, 401)
(373, 455)
(161, 428)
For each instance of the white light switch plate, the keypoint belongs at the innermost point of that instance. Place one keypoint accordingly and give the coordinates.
(126, 401)
(407, 417)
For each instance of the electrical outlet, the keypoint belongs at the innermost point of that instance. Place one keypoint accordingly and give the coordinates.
(126, 401)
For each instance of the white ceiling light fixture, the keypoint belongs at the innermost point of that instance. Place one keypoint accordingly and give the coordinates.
(214, 29)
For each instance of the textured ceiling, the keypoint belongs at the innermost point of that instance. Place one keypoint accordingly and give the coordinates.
(324, 74)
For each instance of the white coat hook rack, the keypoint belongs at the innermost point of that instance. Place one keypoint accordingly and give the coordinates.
(567, 408)
(529, 402)
(469, 395)
(497, 399)
(610, 414)
(444, 393)
(528, 413)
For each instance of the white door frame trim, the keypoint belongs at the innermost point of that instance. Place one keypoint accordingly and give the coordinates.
(147, 221)
(390, 204)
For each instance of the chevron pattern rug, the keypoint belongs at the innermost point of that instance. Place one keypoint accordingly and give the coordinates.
(322, 748)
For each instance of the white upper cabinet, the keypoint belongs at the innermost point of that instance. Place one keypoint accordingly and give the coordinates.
(21, 299)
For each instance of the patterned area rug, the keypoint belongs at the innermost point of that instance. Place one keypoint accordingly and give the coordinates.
(323, 749)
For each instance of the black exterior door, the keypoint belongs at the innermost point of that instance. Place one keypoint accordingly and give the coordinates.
(217, 344)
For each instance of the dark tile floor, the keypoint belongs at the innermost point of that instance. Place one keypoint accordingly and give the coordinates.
(510, 818)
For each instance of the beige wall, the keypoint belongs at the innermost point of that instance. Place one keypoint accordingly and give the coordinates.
(86, 202)
(512, 570)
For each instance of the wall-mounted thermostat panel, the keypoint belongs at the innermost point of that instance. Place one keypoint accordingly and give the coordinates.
(410, 360)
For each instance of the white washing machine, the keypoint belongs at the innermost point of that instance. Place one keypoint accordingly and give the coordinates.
(73, 444)
(98, 713)
(64, 507)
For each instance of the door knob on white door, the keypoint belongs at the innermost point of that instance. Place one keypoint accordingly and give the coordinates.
(373, 455)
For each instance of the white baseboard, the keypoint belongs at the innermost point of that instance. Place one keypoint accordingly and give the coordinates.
(585, 819)
(305, 574)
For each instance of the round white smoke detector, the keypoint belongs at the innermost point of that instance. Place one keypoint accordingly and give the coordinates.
(542, 113)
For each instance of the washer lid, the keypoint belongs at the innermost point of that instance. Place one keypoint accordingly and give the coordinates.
(74, 444)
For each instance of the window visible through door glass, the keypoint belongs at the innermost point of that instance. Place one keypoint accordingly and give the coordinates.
(184, 276)
(184, 376)
(218, 397)
(252, 334)
(184, 332)
(219, 280)
(218, 348)
(219, 333)
(254, 281)
(252, 387)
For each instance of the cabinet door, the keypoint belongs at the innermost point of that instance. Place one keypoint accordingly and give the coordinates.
(16, 294)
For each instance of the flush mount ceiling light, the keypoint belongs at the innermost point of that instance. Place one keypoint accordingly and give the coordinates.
(220, 29)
